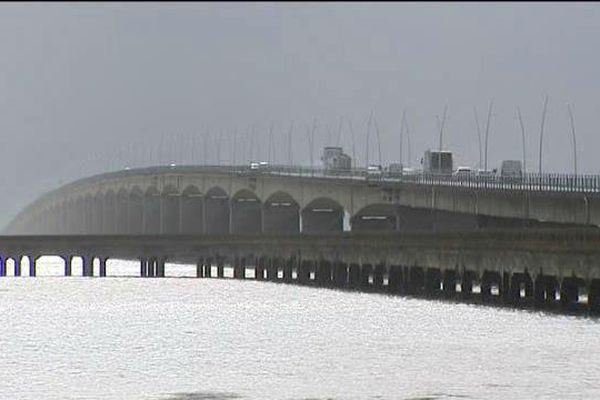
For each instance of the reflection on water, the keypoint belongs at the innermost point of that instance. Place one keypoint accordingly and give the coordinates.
(184, 339)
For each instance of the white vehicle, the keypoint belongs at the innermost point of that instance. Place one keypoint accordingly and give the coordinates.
(263, 165)
(463, 171)
(254, 165)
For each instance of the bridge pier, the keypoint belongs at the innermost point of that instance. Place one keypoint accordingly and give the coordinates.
(449, 284)
(2, 266)
(416, 281)
(17, 264)
(32, 265)
(490, 279)
(466, 285)
(594, 296)
(88, 266)
(378, 276)
(323, 275)
(569, 293)
(433, 279)
(521, 282)
(288, 269)
(208, 267)
(200, 273)
(340, 275)
(354, 274)
(544, 291)
(102, 272)
(220, 268)
(395, 283)
(239, 268)
(143, 267)
(365, 275)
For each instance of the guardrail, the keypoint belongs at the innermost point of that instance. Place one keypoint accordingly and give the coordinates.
(528, 181)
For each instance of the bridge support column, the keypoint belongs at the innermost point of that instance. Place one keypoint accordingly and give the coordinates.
(17, 262)
(488, 280)
(88, 266)
(354, 276)
(151, 268)
(143, 267)
(272, 269)
(239, 268)
(68, 265)
(200, 268)
(208, 267)
(395, 284)
(416, 281)
(160, 268)
(519, 282)
(544, 291)
(466, 285)
(220, 268)
(449, 284)
(32, 265)
(288, 268)
(433, 279)
(102, 272)
(323, 277)
(594, 296)
(304, 272)
(506, 293)
(340, 274)
(378, 273)
(259, 268)
(365, 274)
(569, 294)
(2, 266)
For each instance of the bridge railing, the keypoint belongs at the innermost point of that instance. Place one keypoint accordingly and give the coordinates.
(528, 182)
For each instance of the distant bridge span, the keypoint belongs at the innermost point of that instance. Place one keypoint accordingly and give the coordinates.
(221, 200)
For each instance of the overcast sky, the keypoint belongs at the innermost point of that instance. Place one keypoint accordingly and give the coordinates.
(90, 87)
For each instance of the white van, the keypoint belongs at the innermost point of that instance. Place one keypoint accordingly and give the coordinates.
(463, 171)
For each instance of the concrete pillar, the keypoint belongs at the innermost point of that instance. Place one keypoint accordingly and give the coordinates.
(365, 273)
(340, 274)
(569, 294)
(238, 268)
(488, 280)
(102, 272)
(160, 268)
(449, 283)
(220, 267)
(143, 267)
(506, 293)
(88, 266)
(594, 296)
(68, 265)
(354, 276)
(395, 279)
(378, 272)
(323, 277)
(208, 267)
(416, 281)
(272, 267)
(433, 280)
(17, 261)
(466, 284)
(32, 265)
(2, 266)
(259, 268)
(288, 267)
(304, 272)
(200, 273)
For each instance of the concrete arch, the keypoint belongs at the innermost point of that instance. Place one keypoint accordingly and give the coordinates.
(216, 206)
(151, 212)
(322, 215)
(122, 201)
(281, 214)
(192, 210)
(375, 218)
(135, 211)
(246, 212)
(170, 210)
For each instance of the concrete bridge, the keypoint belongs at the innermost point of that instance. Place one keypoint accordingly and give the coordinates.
(236, 200)
(543, 269)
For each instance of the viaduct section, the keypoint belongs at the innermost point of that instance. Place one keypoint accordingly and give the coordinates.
(542, 269)
(230, 200)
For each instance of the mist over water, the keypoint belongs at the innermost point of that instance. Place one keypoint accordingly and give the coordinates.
(182, 338)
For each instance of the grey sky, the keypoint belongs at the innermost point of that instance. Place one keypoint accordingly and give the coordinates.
(84, 87)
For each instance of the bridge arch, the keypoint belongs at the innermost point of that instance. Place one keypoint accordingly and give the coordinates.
(216, 203)
(246, 212)
(322, 215)
(375, 218)
(170, 210)
(192, 210)
(281, 214)
(135, 211)
(151, 206)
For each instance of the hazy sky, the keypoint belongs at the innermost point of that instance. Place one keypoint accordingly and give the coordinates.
(90, 87)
